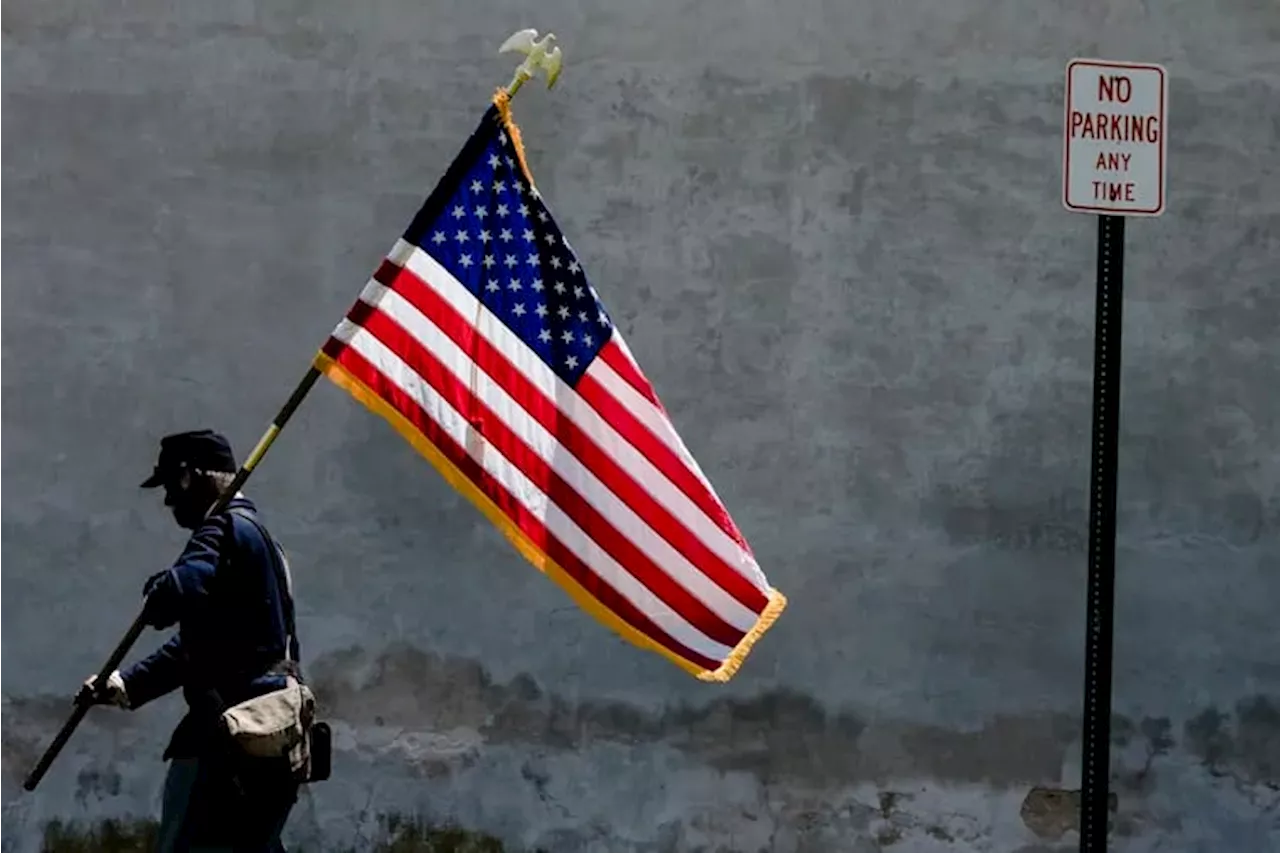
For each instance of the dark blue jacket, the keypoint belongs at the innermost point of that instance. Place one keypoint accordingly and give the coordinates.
(231, 614)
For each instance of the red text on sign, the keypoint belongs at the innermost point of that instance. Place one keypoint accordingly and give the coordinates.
(1114, 87)
(1110, 161)
(1114, 127)
(1113, 191)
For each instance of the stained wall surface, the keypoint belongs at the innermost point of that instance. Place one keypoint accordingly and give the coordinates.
(833, 236)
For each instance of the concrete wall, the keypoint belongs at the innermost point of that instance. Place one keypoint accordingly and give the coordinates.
(832, 234)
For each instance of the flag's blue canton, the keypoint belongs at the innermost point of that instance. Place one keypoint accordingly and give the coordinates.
(498, 239)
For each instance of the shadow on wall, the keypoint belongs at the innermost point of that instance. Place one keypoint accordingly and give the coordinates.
(398, 835)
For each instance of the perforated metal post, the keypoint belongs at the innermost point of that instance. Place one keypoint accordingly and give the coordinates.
(1096, 756)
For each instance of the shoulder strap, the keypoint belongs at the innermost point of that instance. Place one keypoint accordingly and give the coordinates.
(284, 581)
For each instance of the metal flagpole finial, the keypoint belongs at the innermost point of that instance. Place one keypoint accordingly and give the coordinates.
(541, 54)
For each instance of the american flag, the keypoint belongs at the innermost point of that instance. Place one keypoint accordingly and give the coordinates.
(481, 339)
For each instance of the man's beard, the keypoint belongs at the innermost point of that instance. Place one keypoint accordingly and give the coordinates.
(187, 515)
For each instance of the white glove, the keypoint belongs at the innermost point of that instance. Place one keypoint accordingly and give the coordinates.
(113, 694)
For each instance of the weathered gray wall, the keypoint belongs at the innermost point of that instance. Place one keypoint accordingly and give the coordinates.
(832, 233)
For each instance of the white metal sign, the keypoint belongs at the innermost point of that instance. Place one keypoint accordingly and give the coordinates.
(1114, 152)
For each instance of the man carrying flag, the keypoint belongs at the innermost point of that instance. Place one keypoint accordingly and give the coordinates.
(481, 340)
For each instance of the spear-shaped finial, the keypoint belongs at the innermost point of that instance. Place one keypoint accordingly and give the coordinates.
(542, 55)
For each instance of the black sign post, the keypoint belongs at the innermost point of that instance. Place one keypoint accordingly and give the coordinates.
(1114, 164)
(1095, 769)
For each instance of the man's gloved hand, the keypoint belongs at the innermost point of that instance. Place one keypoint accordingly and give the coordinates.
(152, 581)
(113, 693)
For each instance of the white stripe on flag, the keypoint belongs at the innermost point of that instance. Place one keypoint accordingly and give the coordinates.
(644, 411)
(675, 441)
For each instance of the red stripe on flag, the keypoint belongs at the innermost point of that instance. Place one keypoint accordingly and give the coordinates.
(658, 452)
(612, 355)
(534, 401)
(387, 272)
(590, 520)
(537, 532)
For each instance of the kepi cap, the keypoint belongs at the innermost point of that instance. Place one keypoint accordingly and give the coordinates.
(202, 448)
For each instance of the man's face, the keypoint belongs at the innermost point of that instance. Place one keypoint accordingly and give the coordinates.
(185, 499)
